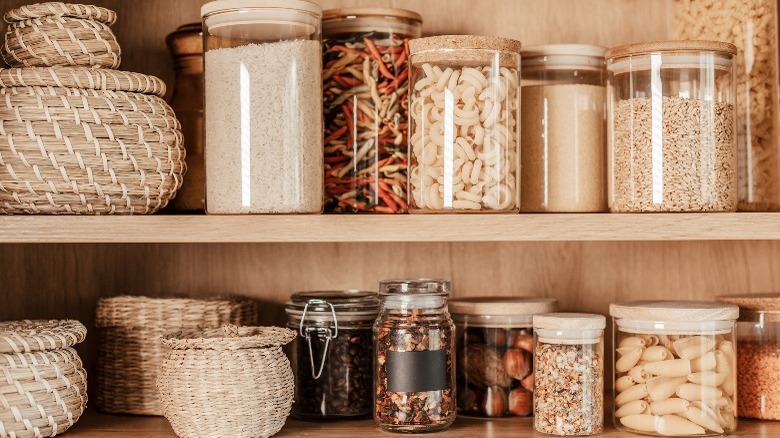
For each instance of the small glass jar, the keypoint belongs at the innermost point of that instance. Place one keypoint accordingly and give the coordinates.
(414, 370)
(494, 348)
(563, 134)
(332, 354)
(675, 367)
(758, 358)
(465, 125)
(569, 374)
(672, 127)
(366, 85)
(263, 106)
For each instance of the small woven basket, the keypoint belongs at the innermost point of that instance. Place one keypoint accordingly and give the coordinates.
(131, 352)
(60, 34)
(43, 384)
(230, 382)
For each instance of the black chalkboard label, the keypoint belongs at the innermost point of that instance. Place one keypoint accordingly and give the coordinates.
(416, 371)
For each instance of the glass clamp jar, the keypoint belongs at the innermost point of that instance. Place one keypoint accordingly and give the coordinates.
(569, 374)
(672, 127)
(263, 106)
(465, 124)
(413, 357)
(563, 134)
(675, 367)
(332, 354)
(365, 85)
(494, 349)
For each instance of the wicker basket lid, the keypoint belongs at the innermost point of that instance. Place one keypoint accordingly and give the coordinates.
(172, 312)
(59, 9)
(229, 337)
(82, 77)
(40, 335)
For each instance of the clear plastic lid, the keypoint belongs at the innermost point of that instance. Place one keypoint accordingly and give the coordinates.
(569, 328)
(674, 317)
(261, 20)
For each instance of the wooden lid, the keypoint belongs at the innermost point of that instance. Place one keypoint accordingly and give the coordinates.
(40, 335)
(502, 306)
(570, 321)
(671, 46)
(677, 311)
(338, 13)
(753, 306)
(421, 45)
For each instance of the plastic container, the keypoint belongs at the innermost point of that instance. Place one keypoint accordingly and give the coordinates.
(494, 347)
(332, 354)
(414, 374)
(569, 374)
(564, 124)
(675, 367)
(465, 124)
(672, 127)
(263, 110)
(366, 84)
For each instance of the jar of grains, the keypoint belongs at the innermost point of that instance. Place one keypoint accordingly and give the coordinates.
(263, 106)
(465, 124)
(569, 374)
(413, 357)
(564, 125)
(675, 367)
(494, 350)
(758, 358)
(366, 85)
(672, 127)
(332, 354)
(752, 27)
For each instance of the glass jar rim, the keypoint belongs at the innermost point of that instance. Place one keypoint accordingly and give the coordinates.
(414, 287)
(338, 14)
(674, 327)
(341, 300)
(220, 6)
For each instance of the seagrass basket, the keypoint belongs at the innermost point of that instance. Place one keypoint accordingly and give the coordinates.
(233, 382)
(43, 385)
(130, 347)
(60, 34)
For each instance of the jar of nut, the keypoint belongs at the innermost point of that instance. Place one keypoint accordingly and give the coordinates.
(494, 350)
(413, 357)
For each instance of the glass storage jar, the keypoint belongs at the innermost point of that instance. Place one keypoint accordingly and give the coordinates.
(332, 354)
(263, 106)
(672, 127)
(494, 351)
(563, 134)
(675, 367)
(414, 371)
(365, 85)
(465, 124)
(569, 374)
(758, 354)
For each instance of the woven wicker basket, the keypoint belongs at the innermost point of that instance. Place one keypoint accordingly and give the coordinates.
(230, 382)
(57, 34)
(43, 388)
(84, 141)
(131, 352)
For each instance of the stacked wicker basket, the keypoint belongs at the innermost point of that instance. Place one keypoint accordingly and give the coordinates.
(77, 136)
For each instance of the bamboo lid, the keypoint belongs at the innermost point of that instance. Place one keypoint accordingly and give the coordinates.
(674, 311)
(754, 306)
(339, 13)
(479, 42)
(502, 306)
(671, 46)
(570, 321)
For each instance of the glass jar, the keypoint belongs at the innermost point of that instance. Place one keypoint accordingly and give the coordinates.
(758, 358)
(569, 374)
(494, 348)
(563, 134)
(672, 127)
(366, 84)
(752, 28)
(332, 354)
(675, 367)
(263, 110)
(414, 370)
(465, 124)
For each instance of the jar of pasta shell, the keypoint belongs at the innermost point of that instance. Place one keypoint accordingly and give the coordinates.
(464, 124)
(675, 367)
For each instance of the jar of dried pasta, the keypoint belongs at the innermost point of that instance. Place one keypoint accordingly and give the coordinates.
(465, 124)
(675, 367)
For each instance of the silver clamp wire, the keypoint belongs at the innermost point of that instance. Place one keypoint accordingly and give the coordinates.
(319, 331)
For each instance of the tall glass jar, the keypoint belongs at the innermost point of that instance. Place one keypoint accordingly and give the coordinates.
(366, 89)
(563, 134)
(414, 375)
(675, 367)
(672, 127)
(465, 125)
(332, 354)
(263, 111)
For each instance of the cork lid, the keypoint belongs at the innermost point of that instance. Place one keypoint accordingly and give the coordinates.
(479, 42)
(40, 335)
(502, 306)
(671, 46)
(753, 307)
(340, 13)
(570, 321)
(674, 311)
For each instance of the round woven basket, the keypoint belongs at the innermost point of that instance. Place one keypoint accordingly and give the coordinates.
(230, 382)
(57, 34)
(131, 352)
(43, 389)
(84, 141)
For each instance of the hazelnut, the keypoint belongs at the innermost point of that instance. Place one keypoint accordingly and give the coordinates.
(495, 401)
(528, 382)
(525, 342)
(469, 400)
(517, 363)
(520, 402)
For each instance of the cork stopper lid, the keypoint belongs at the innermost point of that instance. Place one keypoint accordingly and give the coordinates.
(671, 46)
(753, 307)
(502, 306)
(457, 42)
(570, 321)
(674, 311)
